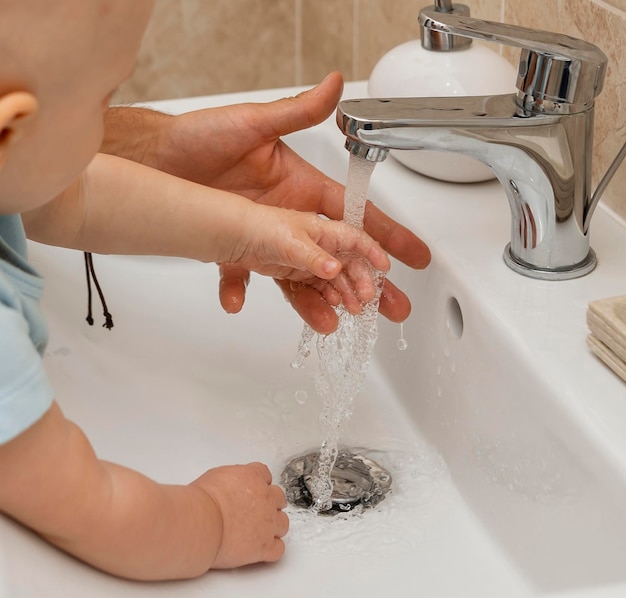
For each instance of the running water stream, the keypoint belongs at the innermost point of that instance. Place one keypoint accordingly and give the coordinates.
(344, 355)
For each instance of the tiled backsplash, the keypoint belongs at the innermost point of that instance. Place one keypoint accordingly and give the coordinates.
(198, 47)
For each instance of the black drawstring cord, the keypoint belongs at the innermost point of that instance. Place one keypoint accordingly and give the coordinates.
(91, 273)
(89, 317)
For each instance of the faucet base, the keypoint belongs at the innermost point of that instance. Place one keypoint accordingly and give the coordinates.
(575, 271)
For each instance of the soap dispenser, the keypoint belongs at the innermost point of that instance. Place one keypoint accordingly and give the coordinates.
(442, 65)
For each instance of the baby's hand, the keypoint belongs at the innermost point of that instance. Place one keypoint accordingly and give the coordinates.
(335, 258)
(253, 522)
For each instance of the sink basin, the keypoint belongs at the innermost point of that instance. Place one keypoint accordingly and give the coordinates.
(505, 437)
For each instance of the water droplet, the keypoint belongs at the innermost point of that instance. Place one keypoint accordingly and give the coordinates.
(301, 396)
(402, 344)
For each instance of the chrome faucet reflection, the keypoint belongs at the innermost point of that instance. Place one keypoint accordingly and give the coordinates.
(538, 142)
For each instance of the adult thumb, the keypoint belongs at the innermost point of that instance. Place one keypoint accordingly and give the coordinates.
(307, 109)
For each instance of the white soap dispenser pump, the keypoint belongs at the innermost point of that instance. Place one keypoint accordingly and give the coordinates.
(442, 65)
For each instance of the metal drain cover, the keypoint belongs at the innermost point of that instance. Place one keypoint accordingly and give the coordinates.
(357, 480)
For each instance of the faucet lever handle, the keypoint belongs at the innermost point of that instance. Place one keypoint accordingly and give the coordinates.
(553, 67)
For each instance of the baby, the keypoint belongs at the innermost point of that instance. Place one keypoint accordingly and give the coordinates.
(61, 62)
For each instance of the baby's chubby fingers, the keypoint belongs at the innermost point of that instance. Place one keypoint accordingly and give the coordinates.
(337, 237)
(349, 297)
(363, 279)
(251, 509)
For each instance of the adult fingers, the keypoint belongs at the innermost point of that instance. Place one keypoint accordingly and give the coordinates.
(232, 288)
(394, 304)
(305, 110)
(398, 240)
(310, 306)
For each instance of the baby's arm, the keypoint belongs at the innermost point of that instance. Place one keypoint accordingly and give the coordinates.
(122, 207)
(126, 524)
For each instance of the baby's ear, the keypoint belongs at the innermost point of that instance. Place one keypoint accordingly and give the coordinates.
(16, 109)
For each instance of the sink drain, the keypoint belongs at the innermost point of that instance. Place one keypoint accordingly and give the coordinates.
(357, 480)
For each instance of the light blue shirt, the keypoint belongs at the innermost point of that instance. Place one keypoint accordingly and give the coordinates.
(25, 392)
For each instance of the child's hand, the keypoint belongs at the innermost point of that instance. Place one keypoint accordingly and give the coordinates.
(332, 257)
(253, 522)
(165, 215)
(204, 146)
(125, 523)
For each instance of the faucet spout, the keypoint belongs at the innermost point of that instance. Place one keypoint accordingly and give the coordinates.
(537, 142)
(542, 160)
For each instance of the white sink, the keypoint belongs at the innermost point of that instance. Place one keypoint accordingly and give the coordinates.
(505, 437)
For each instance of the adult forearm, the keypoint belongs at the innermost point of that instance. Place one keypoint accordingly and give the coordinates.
(133, 133)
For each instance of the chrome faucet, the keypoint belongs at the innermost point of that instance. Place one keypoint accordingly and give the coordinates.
(537, 142)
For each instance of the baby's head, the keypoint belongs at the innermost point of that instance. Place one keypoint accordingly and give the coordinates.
(60, 63)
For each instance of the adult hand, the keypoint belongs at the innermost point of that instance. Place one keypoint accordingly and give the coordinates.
(239, 149)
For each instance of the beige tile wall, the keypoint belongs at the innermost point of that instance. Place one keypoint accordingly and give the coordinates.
(196, 47)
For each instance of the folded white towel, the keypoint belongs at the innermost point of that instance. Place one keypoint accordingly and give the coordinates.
(607, 356)
(606, 319)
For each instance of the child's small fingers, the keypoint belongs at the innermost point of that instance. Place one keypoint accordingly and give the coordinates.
(262, 470)
(321, 264)
(331, 294)
(361, 244)
(337, 237)
(349, 297)
(363, 279)
(282, 524)
(278, 496)
(274, 551)
(327, 291)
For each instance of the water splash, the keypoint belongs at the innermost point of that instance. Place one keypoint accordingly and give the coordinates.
(304, 347)
(421, 495)
(344, 355)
